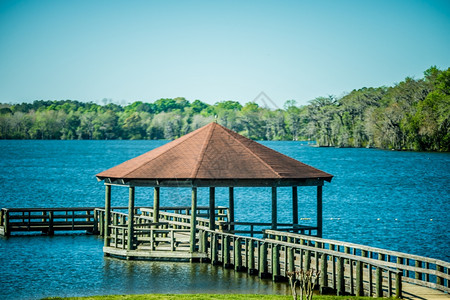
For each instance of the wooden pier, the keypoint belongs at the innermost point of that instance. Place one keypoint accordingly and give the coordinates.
(346, 268)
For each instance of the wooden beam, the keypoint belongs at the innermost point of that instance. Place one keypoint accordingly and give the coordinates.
(231, 206)
(193, 219)
(212, 208)
(319, 211)
(156, 204)
(217, 182)
(274, 207)
(130, 245)
(107, 214)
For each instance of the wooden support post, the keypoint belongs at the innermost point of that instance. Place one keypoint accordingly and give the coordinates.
(294, 206)
(439, 279)
(319, 211)
(323, 279)
(274, 207)
(214, 249)
(290, 260)
(106, 229)
(156, 204)
(95, 225)
(275, 262)
(212, 208)
(226, 251)
(204, 240)
(6, 223)
(130, 237)
(101, 221)
(262, 260)
(250, 256)
(340, 277)
(50, 223)
(398, 285)
(193, 219)
(359, 279)
(237, 255)
(378, 283)
(231, 207)
(417, 274)
(307, 260)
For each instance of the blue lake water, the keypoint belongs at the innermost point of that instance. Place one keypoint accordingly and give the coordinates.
(388, 199)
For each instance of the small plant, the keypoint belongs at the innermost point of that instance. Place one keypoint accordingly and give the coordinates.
(305, 280)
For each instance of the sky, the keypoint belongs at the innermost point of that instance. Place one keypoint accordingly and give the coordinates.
(127, 51)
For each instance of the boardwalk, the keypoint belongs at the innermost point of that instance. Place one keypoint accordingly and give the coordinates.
(348, 268)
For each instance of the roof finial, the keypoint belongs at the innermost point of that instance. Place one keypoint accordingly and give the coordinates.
(215, 118)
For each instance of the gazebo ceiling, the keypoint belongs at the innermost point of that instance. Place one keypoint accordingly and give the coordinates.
(213, 156)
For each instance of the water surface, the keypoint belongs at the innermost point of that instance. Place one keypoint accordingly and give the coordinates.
(393, 200)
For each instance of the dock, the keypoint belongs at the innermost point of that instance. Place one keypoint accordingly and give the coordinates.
(346, 268)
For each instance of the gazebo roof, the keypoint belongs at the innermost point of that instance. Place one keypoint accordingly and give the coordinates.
(213, 156)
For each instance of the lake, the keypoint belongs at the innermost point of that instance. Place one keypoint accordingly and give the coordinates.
(387, 199)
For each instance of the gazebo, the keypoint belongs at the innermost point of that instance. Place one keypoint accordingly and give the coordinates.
(212, 156)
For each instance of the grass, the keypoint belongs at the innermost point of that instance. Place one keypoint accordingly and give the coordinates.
(206, 297)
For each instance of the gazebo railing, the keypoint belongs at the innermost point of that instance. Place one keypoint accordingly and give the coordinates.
(415, 269)
(170, 233)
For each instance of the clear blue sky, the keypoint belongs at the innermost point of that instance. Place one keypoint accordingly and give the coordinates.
(215, 50)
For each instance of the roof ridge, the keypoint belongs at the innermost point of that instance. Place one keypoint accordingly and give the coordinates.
(195, 132)
(253, 153)
(202, 153)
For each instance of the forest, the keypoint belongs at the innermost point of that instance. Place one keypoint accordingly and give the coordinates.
(411, 115)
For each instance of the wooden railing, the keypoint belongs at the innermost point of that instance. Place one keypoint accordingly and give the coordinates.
(275, 258)
(171, 232)
(256, 228)
(415, 269)
(47, 220)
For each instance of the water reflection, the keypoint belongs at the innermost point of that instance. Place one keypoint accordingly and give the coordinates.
(138, 277)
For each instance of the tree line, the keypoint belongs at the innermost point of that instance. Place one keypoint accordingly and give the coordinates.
(411, 115)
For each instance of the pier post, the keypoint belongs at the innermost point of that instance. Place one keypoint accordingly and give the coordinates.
(262, 260)
(307, 260)
(340, 277)
(231, 207)
(193, 219)
(226, 251)
(291, 260)
(237, 255)
(323, 279)
(359, 279)
(50, 223)
(130, 237)
(398, 285)
(106, 229)
(378, 283)
(274, 208)
(319, 211)
(250, 257)
(212, 208)
(275, 262)
(156, 204)
(214, 249)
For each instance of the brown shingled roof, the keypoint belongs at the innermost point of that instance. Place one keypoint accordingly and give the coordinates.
(213, 152)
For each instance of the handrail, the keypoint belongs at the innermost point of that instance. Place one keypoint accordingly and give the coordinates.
(300, 256)
(425, 271)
